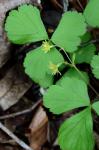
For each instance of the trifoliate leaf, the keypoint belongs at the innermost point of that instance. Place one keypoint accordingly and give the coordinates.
(76, 133)
(72, 26)
(70, 94)
(72, 73)
(37, 65)
(24, 25)
(91, 13)
(95, 66)
(85, 54)
(95, 106)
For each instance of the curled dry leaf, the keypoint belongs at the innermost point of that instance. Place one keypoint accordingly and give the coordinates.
(38, 128)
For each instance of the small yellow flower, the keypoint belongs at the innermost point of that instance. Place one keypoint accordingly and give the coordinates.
(47, 46)
(54, 68)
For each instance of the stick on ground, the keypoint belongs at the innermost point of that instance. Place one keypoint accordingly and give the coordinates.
(21, 112)
(17, 140)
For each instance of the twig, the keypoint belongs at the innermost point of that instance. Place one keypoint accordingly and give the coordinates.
(12, 142)
(17, 140)
(56, 4)
(81, 6)
(21, 112)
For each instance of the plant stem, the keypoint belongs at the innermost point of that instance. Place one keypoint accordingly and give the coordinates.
(85, 81)
(79, 72)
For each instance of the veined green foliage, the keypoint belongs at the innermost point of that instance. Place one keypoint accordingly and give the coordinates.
(76, 133)
(95, 66)
(37, 65)
(25, 26)
(71, 27)
(65, 96)
(91, 13)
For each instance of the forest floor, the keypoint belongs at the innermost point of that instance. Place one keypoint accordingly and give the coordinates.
(24, 122)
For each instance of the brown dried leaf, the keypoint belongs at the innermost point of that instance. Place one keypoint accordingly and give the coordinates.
(12, 88)
(38, 128)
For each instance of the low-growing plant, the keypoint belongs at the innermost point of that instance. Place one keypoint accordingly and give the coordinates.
(71, 38)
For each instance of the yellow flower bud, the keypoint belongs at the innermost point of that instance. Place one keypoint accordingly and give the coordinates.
(54, 68)
(47, 46)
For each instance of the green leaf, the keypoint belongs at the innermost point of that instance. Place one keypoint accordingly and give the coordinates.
(85, 54)
(72, 26)
(25, 26)
(86, 37)
(95, 66)
(91, 13)
(37, 65)
(72, 73)
(45, 82)
(71, 93)
(76, 133)
(95, 106)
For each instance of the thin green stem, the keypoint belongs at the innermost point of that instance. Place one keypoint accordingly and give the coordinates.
(67, 56)
(79, 72)
(85, 81)
(67, 64)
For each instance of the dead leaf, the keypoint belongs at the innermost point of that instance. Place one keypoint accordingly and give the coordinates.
(38, 128)
(12, 88)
